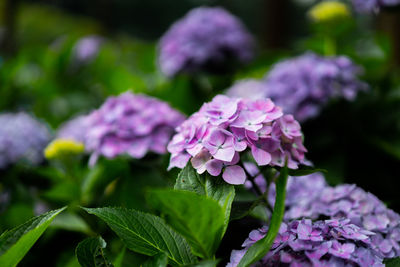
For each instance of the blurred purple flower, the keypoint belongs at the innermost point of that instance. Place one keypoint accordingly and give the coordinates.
(373, 6)
(74, 129)
(320, 243)
(214, 136)
(206, 38)
(130, 124)
(22, 137)
(303, 85)
(249, 88)
(87, 48)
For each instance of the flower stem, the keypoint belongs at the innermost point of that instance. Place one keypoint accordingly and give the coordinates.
(261, 247)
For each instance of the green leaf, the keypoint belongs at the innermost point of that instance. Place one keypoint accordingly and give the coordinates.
(198, 218)
(146, 234)
(205, 263)
(14, 244)
(212, 187)
(304, 170)
(71, 222)
(90, 253)
(159, 260)
(394, 262)
(262, 246)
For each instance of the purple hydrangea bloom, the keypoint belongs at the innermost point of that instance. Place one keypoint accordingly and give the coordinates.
(362, 209)
(74, 129)
(130, 124)
(373, 6)
(22, 137)
(303, 85)
(321, 243)
(214, 137)
(206, 37)
(310, 197)
(87, 48)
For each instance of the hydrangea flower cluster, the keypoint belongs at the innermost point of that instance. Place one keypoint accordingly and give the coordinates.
(74, 129)
(206, 38)
(22, 137)
(214, 136)
(310, 197)
(130, 124)
(321, 243)
(373, 6)
(303, 85)
(362, 209)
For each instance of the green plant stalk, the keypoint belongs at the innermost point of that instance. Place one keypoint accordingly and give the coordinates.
(329, 45)
(261, 247)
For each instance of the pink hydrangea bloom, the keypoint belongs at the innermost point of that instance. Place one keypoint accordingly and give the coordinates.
(215, 137)
(130, 124)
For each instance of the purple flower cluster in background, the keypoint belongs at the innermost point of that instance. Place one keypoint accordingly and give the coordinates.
(130, 124)
(373, 6)
(248, 88)
(303, 85)
(22, 137)
(214, 136)
(304, 243)
(87, 48)
(74, 129)
(206, 37)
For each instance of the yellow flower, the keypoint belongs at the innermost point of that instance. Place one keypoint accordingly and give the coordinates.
(328, 11)
(62, 147)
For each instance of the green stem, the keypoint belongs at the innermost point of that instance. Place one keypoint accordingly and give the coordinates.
(329, 46)
(261, 247)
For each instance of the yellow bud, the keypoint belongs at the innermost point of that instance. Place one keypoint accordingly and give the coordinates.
(329, 11)
(63, 147)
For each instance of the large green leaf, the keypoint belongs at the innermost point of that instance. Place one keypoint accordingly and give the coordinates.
(90, 253)
(14, 244)
(198, 218)
(262, 246)
(212, 187)
(146, 234)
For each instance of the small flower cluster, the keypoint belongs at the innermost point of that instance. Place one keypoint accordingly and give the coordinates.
(303, 85)
(59, 148)
(321, 243)
(373, 6)
(328, 11)
(214, 136)
(22, 137)
(204, 39)
(130, 124)
(87, 48)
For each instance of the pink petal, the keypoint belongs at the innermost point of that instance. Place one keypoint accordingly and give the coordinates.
(261, 157)
(234, 175)
(214, 167)
(225, 154)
